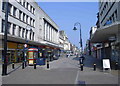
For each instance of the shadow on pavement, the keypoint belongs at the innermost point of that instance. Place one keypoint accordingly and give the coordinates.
(89, 61)
(14, 69)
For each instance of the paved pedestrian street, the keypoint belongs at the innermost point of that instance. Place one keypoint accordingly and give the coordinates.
(62, 71)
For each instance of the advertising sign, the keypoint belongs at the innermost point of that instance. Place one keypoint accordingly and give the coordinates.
(106, 63)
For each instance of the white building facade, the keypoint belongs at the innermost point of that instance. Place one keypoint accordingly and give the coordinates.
(27, 24)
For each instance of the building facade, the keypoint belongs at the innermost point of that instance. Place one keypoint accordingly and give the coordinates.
(108, 31)
(27, 24)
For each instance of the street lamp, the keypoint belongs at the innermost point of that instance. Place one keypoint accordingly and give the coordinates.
(25, 48)
(4, 54)
(75, 28)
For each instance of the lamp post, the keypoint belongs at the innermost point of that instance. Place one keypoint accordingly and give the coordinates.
(4, 65)
(75, 28)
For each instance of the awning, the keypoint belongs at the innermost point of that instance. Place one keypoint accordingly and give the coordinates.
(103, 34)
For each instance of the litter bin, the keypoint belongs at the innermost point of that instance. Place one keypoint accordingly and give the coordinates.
(40, 61)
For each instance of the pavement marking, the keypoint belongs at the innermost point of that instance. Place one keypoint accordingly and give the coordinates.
(76, 80)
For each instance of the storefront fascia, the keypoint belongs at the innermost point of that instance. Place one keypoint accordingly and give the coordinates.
(103, 35)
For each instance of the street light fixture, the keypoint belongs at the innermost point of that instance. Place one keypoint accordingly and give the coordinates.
(75, 28)
(4, 54)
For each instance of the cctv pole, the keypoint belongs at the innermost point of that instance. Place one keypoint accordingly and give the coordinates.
(4, 54)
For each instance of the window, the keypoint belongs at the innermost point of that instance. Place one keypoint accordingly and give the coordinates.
(3, 26)
(26, 34)
(33, 10)
(116, 14)
(20, 1)
(19, 31)
(24, 17)
(14, 27)
(30, 8)
(20, 15)
(23, 32)
(24, 3)
(113, 18)
(30, 33)
(9, 26)
(33, 23)
(9, 8)
(14, 11)
(33, 36)
(3, 6)
(27, 5)
(27, 19)
(30, 21)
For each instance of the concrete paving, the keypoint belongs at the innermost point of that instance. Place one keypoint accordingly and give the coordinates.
(62, 71)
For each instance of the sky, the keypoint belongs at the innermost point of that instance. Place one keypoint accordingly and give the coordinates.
(66, 14)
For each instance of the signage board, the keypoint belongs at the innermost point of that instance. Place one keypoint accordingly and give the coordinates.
(106, 63)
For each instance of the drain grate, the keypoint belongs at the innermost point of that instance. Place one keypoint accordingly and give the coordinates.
(81, 83)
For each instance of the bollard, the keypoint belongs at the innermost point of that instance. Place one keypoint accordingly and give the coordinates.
(94, 67)
(116, 66)
(47, 64)
(81, 67)
(13, 66)
(22, 65)
(34, 65)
